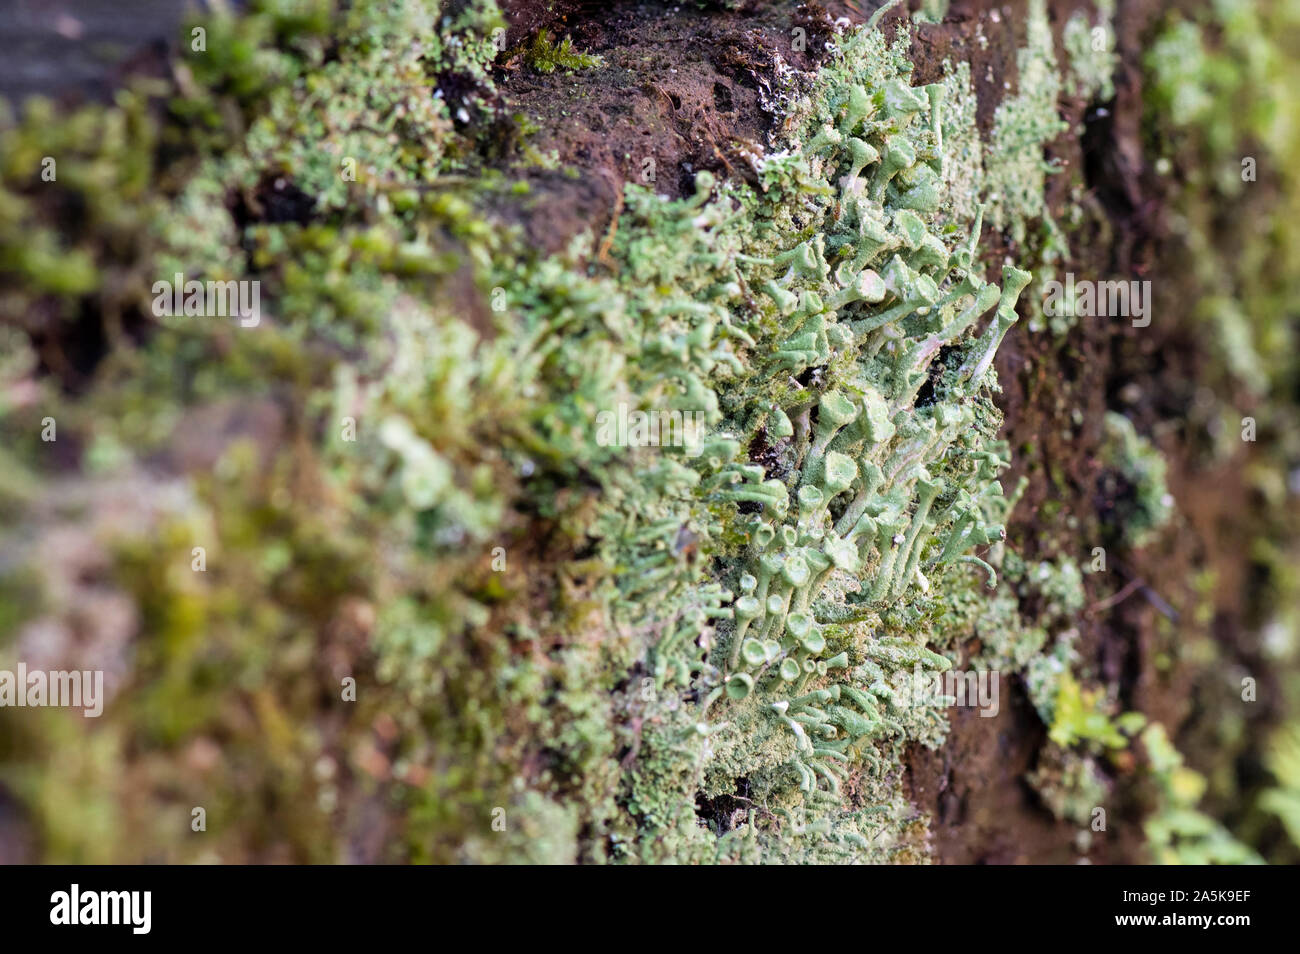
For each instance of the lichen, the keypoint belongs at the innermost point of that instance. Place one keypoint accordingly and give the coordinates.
(1071, 785)
(1023, 124)
(1136, 482)
(1090, 46)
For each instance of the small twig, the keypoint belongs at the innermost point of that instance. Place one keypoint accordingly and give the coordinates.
(1155, 600)
(607, 243)
(1124, 593)
(1133, 585)
(630, 758)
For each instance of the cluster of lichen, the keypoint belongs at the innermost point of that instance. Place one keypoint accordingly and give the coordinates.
(1090, 45)
(838, 302)
(1024, 127)
(1135, 478)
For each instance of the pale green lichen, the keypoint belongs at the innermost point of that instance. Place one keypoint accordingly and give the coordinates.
(931, 11)
(1090, 45)
(1135, 481)
(865, 493)
(1022, 126)
(1071, 785)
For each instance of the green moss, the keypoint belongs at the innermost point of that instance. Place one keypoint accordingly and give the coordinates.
(545, 56)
